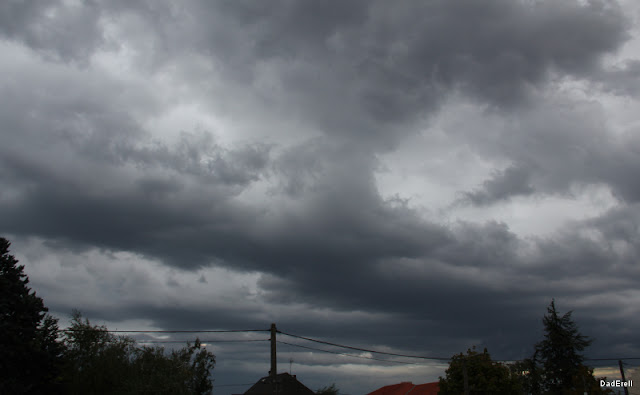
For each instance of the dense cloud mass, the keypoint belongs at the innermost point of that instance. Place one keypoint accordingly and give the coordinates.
(417, 177)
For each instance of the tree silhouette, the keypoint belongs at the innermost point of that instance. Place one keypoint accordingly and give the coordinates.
(483, 375)
(560, 356)
(100, 362)
(89, 360)
(29, 350)
(330, 390)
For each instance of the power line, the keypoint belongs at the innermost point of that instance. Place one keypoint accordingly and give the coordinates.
(162, 331)
(364, 349)
(296, 345)
(425, 357)
(348, 355)
(201, 341)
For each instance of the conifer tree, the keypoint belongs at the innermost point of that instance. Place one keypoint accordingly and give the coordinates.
(559, 355)
(29, 350)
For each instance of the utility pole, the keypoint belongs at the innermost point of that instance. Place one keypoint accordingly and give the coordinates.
(274, 368)
(626, 390)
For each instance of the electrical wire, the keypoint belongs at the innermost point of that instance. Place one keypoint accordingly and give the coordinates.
(201, 341)
(161, 331)
(426, 357)
(297, 345)
(345, 354)
(364, 349)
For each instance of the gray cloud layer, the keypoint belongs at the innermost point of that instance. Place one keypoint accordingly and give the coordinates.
(82, 169)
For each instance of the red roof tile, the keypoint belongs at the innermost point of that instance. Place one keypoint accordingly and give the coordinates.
(408, 388)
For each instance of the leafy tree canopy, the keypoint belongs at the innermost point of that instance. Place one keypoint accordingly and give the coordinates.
(483, 375)
(87, 359)
(97, 359)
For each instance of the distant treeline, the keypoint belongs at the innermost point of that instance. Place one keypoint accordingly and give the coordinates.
(37, 358)
(555, 368)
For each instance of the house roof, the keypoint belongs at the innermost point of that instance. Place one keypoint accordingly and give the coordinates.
(408, 388)
(287, 385)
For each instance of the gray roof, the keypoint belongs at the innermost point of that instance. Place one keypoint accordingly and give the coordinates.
(285, 384)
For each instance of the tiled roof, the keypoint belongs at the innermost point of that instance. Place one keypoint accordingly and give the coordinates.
(408, 388)
(287, 385)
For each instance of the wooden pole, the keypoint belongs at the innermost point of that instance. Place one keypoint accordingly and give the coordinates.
(626, 390)
(274, 363)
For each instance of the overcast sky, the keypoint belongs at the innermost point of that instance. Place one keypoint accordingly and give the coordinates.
(417, 177)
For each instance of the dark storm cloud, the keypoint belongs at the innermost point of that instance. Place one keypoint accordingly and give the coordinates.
(81, 169)
(400, 62)
(361, 69)
(622, 79)
(57, 30)
(556, 147)
(511, 182)
(620, 164)
(140, 214)
(80, 161)
(345, 249)
(621, 224)
(199, 156)
(355, 68)
(500, 288)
